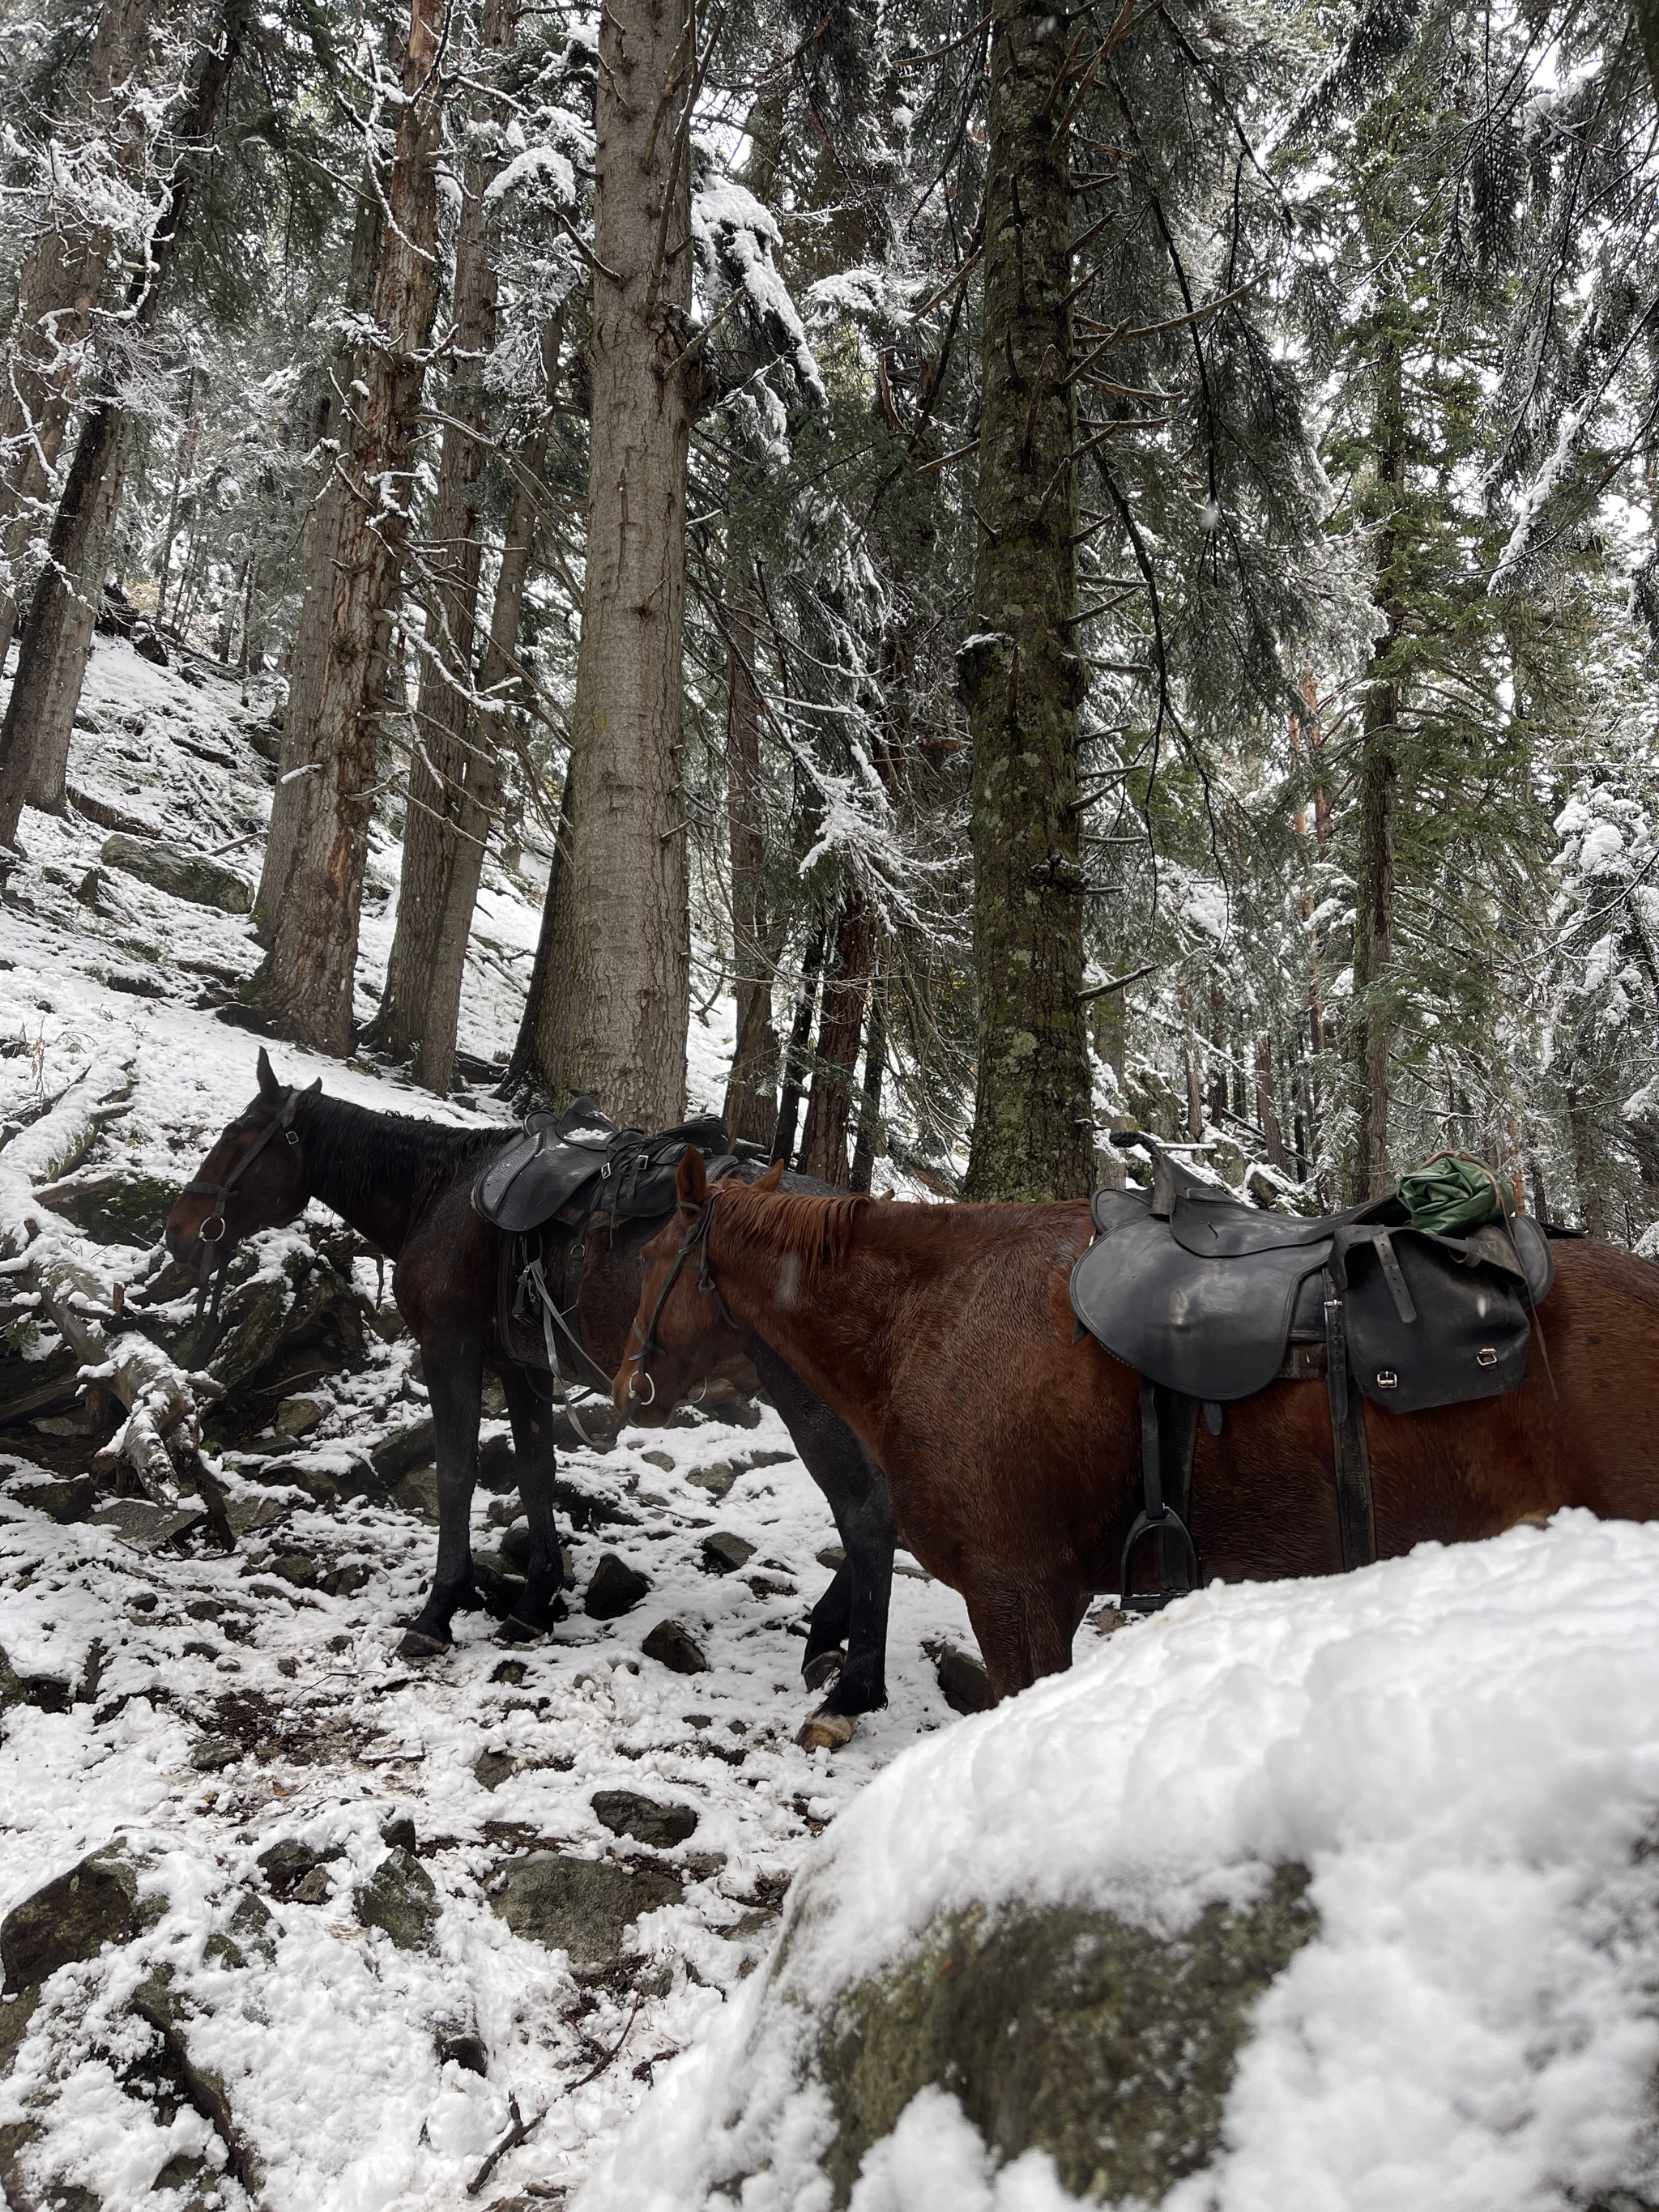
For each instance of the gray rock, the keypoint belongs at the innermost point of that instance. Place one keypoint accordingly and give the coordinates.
(66, 1503)
(723, 1553)
(401, 1898)
(297, 1417)
(296, 1567)
(214, 1753)
(962, 1681)
(648, 1820)
(286, 1864)
(182, 874)
(418, 1492)
(403, 1451)
(581, 1906)
(148, 1528)
(491, 1768)
(716, 1480)
(675, 1648)
(616, 1588)
(73, 1917)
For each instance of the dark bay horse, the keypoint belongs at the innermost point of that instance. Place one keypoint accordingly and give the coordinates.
(943, 1336)
(405, 1186)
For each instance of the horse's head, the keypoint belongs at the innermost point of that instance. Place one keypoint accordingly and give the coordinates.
(253, 1178)
(682, 1328)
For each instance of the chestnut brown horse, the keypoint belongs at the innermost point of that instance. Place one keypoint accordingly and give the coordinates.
(406, 1186)
(943, 1336)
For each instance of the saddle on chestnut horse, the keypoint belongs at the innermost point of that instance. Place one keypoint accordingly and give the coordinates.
(1211, 1300)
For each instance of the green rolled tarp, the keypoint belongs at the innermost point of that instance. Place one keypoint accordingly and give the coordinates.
(1452, 1194)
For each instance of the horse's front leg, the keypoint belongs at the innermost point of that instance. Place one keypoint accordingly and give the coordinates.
(454, 1385)
(539, 1465)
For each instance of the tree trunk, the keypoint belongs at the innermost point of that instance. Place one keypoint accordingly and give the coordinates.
(794, 1065)
(840, 1025)
(54, 294)
(498, 681)
(52, 663)
(875, 1067)
(751, 1109)
(629, 983)
(309, 654)
(1372, 1019)
(1267, 1107)
(307, 983)
(1589, 1162)
(1032, 1120)
(438, 773)
(538, 1060)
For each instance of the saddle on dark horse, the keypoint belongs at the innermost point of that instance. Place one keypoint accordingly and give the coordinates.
(570, 1170)
(1211, 1300)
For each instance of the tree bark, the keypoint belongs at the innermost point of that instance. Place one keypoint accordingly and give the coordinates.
(54, 297)
(309, 979)
(454, 556)
(800, 1034)
(538, 1060)
(875, 1067)
(841, 1027)
(52, 663)
(752, 1091)
(1266, 1106)
(1372, 1019)
(629, 984)
(1032, 1120)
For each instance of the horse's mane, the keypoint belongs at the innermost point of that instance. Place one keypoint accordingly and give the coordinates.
(369, 1151)
(817, 1232)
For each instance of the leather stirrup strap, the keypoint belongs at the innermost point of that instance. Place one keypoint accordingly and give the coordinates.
(1169, 1433)
(1349, 1449)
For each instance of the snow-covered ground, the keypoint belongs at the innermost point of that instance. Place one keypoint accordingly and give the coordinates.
(221, 1706)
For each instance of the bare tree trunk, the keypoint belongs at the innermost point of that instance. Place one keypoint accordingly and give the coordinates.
(56, 291)
(751, 1109)
(875, 1067)
(1371, 1021)
(840, 1025)
(1267, 1107)
(1033, 1127)
(629, 983)
(184, 461)
(307, 983)
(499, 682)
(51, 662)
(443, 716)
(800, 1034)
(309, 653)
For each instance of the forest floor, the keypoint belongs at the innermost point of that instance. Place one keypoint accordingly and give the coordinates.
(314, 1999)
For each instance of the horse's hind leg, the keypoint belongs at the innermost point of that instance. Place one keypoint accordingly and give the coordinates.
(1024, 1629)
(454, 1385)
(539, 1463)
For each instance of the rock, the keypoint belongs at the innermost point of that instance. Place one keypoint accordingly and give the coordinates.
(964, 1683)
(397, 1833)
(148, 1528)
(401, 1898)
(286, 1864)
(616, 1588)
(214, 1753)
(662, 1459)
(511, 1671)
(149, 647)
(723, 1553)
(73, 1917)
(403, 1451)
(716, 1480)
(296, 1567)
(645, 1819)
(418, 1493)
(298, 1416)
(155, 2002)
(66, 1503)
(491, 1768)
(581, 1906)
(16, 2014)
(314, 1888)
(182, 874)
(675, 1648)
(462, 2046)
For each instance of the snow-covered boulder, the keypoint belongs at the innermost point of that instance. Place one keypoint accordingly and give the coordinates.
(1335, 1896)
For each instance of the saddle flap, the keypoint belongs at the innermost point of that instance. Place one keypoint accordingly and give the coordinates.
(1467, 1338)
(1211, 1328)
(1223, 1229)
(1109, 1209)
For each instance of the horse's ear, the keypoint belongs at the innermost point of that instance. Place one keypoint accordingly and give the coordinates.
(269, 1086)
(690, 1180)
(772, 1178)
(317, 1085)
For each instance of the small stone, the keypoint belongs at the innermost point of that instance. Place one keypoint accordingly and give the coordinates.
(510, 1670)
(286, 1864)
(315, 1888)
(833, 1556)
(398, 1834)
(581, 1906)
(296, 1567)
(723, 1553)
(462, 2047)
(347, 1581)
(675, 1648)
(418, 1492)
(716, 1480)
(214, 1753)
(73, 1917)
(491, 1768)
(616, 1588)
(297, 1417)
(402, 1898)
(648, 1820)
(204, 1609)
(964, 1683)
(662, 1459)
(288, 1665)
(770, 1586)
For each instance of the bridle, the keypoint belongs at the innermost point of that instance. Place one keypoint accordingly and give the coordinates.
(216, 1247)
(696, 1239)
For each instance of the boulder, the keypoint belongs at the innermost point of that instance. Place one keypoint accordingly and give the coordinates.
(580, 1906)
(401, 1898)
(184, 875)
(616, 1588)
(73, 1917)
(964, 1683)
(676, 1648)
(646, 1820)
(299, 1416)
(723, 1553)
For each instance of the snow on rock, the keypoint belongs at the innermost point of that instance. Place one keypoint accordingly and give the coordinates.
(1461, 1749)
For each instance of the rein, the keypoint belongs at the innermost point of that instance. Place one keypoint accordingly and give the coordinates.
(696, 1239)
(216, 1248)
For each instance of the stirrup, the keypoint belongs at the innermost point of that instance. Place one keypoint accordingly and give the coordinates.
(1169, 1522)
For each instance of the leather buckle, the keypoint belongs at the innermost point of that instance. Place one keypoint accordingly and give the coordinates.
(1386, 1379)
(1486, 1357)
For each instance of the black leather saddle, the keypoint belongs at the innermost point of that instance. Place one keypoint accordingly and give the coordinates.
(1210, 1300)
(549, 1167)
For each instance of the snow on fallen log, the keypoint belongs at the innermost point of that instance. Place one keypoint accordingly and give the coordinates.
(159, 1439)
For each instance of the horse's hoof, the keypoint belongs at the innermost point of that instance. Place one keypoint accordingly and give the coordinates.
(827, 1732)
(418, 1645)
(514, 1631)
(822, 1669)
